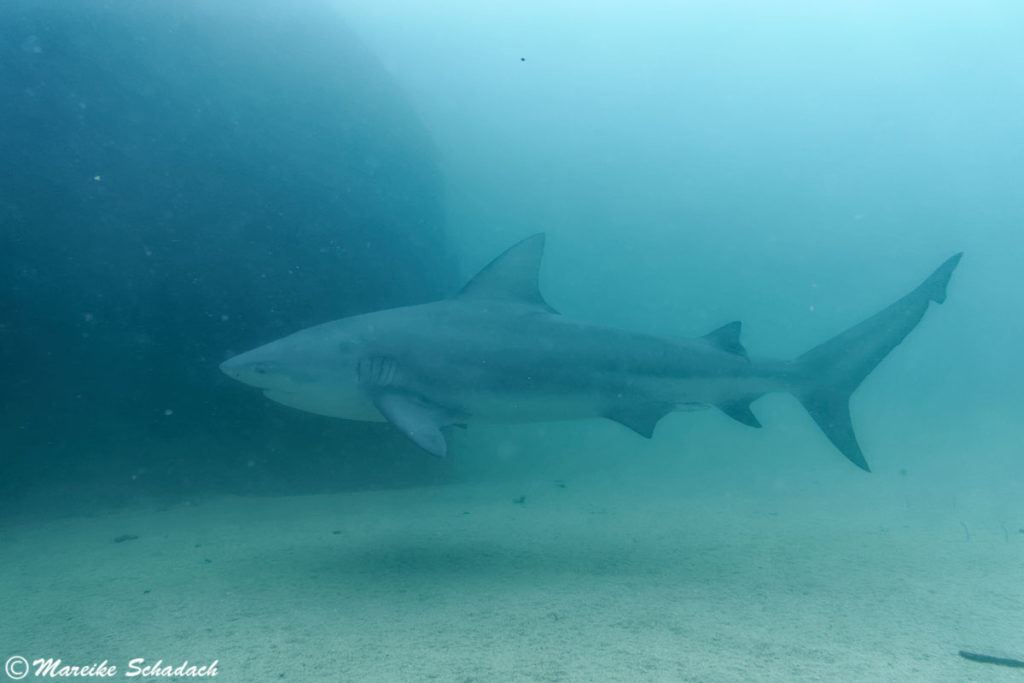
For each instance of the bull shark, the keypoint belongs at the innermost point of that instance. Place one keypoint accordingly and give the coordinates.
(497, 352)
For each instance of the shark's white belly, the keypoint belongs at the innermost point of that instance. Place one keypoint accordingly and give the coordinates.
(471, 405)
(329, 405)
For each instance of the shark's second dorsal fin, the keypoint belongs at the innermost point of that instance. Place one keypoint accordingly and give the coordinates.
(727, 338)
(512, 277)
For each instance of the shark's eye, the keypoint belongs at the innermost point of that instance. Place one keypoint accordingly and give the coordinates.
(263, 368)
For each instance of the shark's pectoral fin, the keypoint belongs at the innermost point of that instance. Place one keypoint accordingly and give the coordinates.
(739, 410)
(417, 419)
(642, 419)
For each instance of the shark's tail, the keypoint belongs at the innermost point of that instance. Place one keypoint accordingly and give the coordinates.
(828, 374)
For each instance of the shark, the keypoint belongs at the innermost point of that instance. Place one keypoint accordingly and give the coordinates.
(497, 352)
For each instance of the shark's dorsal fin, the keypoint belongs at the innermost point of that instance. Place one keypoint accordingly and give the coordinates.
(513, 277)
(727, 338)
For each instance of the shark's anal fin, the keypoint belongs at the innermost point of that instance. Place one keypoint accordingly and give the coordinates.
(739, 410)
(642, 419)
(418, 420)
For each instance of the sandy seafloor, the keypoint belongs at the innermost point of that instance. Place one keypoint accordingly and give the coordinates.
(624, 572)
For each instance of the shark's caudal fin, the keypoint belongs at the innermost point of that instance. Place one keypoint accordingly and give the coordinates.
(829, 373)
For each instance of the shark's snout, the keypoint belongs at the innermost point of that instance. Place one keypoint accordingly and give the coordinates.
(232, 367)
(267, 367)
(247, 368)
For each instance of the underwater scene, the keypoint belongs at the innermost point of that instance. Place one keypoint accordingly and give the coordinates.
(386, 340)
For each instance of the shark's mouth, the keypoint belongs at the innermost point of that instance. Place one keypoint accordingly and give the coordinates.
(278, 395)
(294, 399)
(330, 406)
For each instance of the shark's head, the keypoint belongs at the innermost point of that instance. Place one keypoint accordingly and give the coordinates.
(313, 370)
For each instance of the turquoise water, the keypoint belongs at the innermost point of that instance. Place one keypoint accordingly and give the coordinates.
(182, 183)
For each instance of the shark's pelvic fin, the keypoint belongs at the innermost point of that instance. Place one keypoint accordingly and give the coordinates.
(642, 419)
(727, 338)
(512, 277)
(829, 374)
